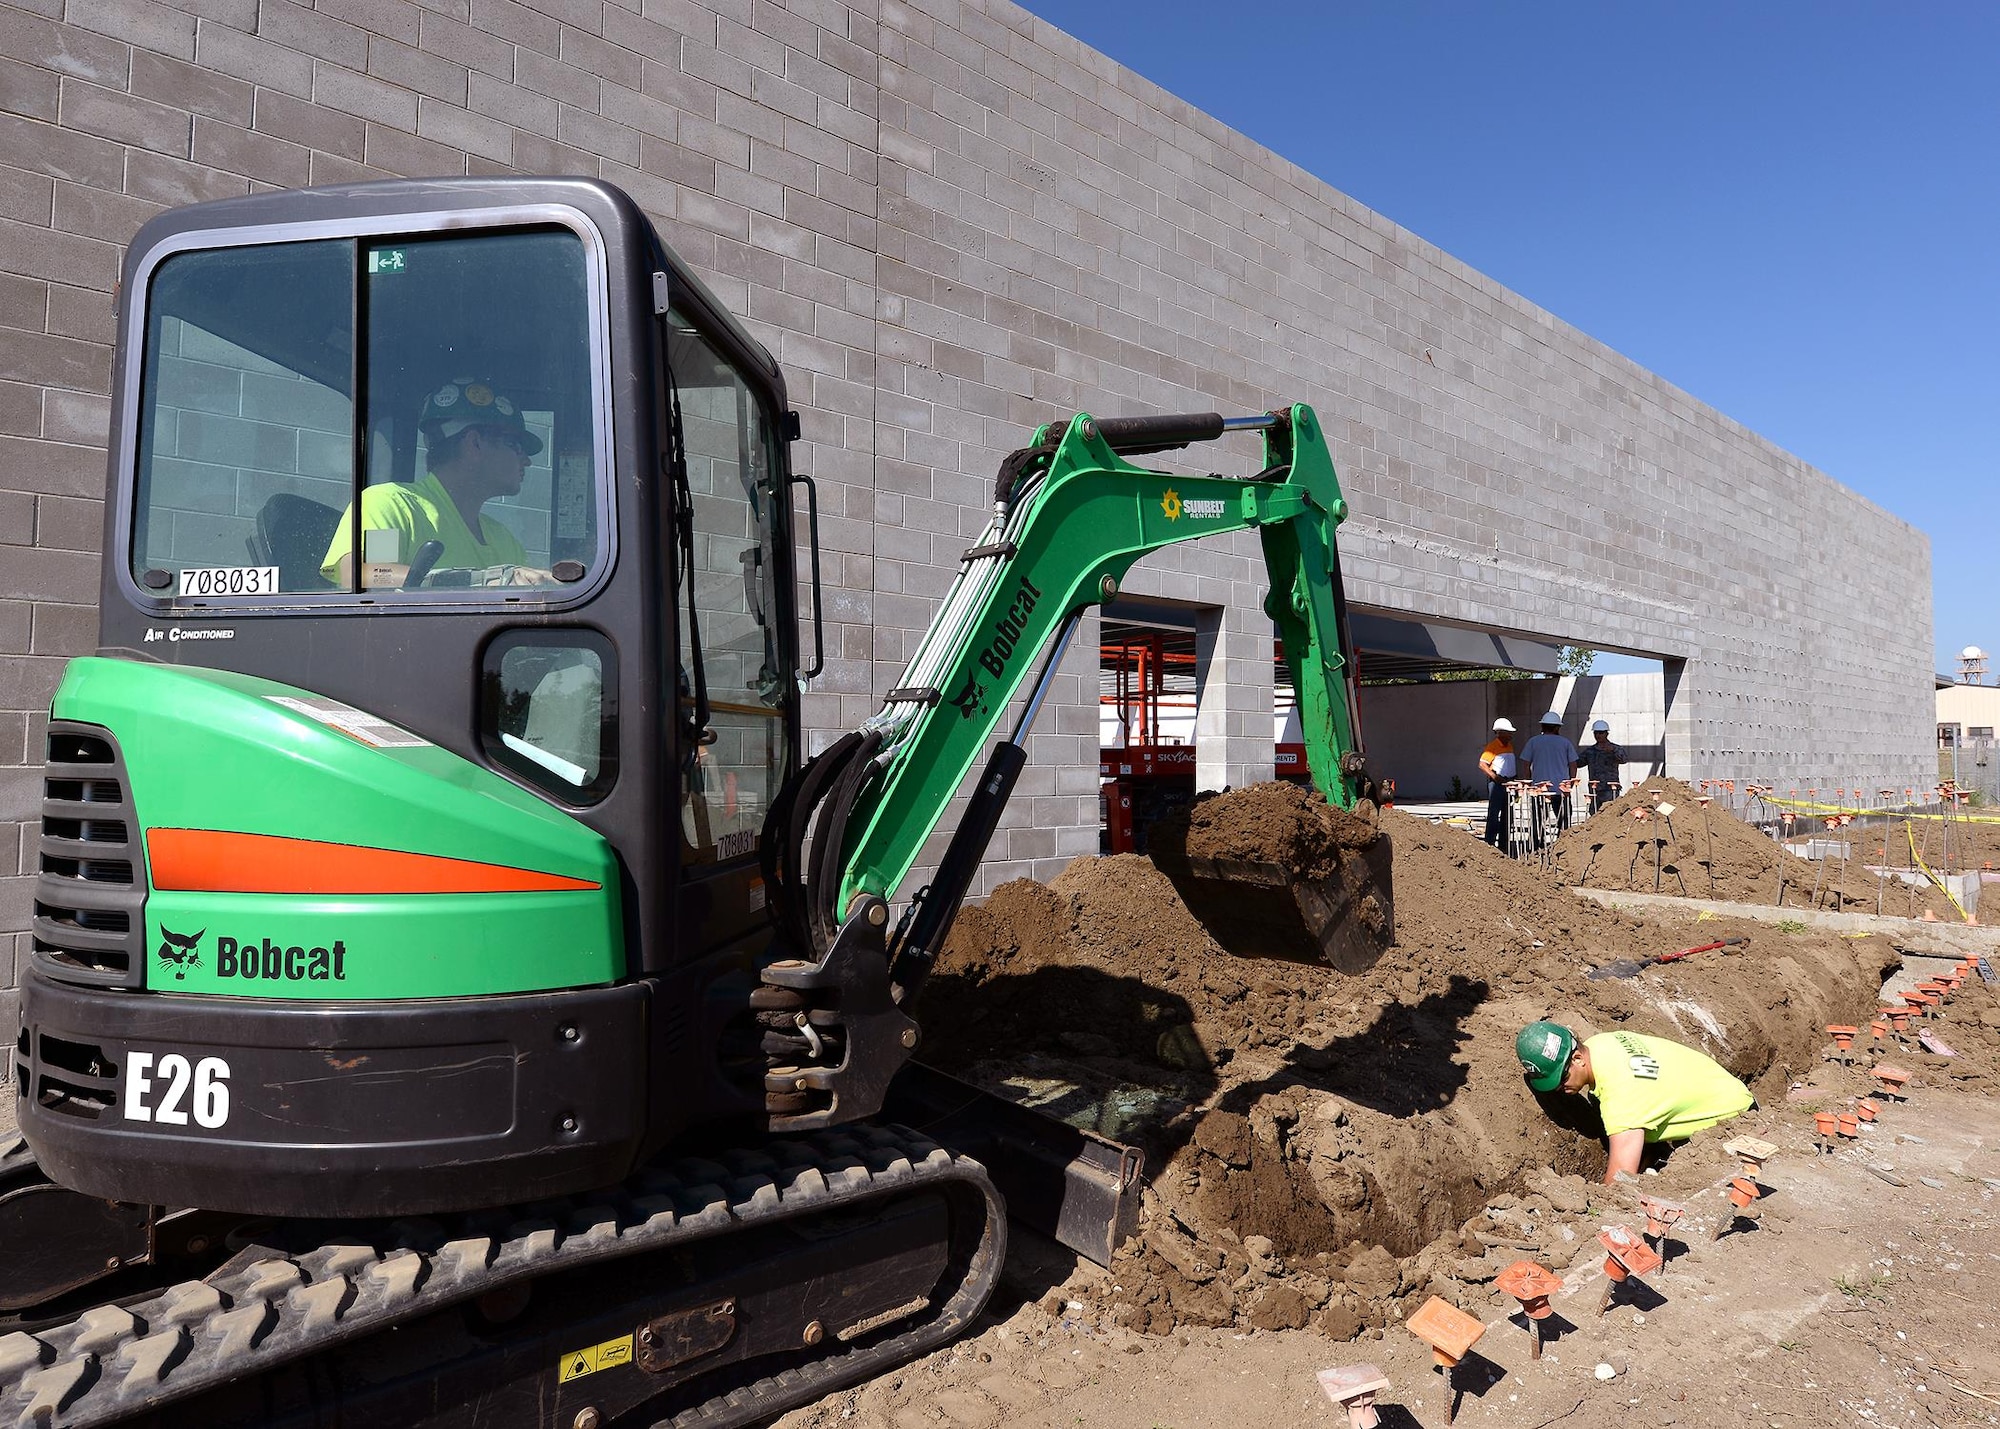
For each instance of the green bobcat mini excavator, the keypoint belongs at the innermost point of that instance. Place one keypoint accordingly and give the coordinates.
(453, 998)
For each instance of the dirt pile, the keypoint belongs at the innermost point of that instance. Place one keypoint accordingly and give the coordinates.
(1319, 1144)
(1963, 1049)
(1975, 842)
(1690, 852)
(1968, 839)
(1267, 823)
(1970, 1026)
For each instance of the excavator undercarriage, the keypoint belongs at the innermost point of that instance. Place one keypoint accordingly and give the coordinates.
(707, 1292)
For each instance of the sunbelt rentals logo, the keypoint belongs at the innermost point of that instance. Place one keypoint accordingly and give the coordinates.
(1173, 507)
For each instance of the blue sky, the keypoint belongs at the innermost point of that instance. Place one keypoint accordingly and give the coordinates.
(1790, 210)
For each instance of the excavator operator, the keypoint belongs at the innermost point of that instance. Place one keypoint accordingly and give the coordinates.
(477, 448)
(1648, 1089)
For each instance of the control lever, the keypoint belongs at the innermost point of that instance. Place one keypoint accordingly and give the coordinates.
(420, 568)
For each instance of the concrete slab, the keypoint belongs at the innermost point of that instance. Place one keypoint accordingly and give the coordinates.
(1448, 811)
(1954, 940)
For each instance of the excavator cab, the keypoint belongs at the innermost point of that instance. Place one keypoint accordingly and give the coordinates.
(409, 814)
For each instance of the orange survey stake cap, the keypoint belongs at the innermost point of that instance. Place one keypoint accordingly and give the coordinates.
(1448, 1330)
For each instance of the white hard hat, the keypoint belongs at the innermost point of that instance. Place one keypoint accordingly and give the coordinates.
(1599, 726)
(1552, 717)
(1501, 726)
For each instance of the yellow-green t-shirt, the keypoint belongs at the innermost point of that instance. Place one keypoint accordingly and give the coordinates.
(1670, 1090)
(424, 511)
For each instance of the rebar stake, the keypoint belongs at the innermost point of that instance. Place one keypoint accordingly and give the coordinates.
(1660, 1218)
(1626, 1256)
(1743, 1193)
(1819, 864)
(1708, 839)
(1532, 1285)
(1353, 1388)
(1450, 1332)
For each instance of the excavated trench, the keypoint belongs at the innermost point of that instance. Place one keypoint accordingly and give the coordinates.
(1317, 1141)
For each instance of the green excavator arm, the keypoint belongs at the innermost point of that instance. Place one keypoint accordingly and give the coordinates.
(1071, 515)
(1077, 518)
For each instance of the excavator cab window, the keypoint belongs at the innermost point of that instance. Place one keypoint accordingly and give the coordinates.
(548, 710)
(469, 463)
(734, 484)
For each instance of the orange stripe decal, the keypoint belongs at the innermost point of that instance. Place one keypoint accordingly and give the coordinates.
(211, 861)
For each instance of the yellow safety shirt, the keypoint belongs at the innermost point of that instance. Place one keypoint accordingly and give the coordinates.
(1670, 1090)
(424, 511)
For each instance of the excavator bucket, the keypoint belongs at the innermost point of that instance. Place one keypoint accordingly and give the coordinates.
(1274, 872)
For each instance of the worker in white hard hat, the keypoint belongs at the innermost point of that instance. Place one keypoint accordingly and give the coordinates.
(1602, 760)
(1551, 761)
(1501, 766)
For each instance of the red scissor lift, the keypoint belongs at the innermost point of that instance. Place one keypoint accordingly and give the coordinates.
(1148, 672)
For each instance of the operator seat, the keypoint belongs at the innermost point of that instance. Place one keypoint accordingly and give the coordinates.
(293, 533)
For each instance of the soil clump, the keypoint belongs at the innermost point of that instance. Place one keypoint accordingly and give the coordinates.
(1268, 823)
(1324, 1149)
(1277, 873)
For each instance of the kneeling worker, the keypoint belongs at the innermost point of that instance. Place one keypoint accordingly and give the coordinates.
(1647, 1088)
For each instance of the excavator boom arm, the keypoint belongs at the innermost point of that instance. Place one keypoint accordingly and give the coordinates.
(1075, 519)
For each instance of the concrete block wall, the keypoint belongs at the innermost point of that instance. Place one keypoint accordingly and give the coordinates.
(1056, 232)
(951, 221)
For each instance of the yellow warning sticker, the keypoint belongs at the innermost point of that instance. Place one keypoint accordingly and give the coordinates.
(609, 1355)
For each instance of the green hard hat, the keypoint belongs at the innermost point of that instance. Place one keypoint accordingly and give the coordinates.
(1544, 1049)
(472, 402)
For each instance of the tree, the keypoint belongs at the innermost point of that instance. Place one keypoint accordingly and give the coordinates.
(1574, 660)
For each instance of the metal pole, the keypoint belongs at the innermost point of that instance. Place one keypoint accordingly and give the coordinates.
(1945, 801)
(1048, 676)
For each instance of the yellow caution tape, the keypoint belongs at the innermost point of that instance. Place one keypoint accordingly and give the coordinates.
(1918, 860)
(1864, 811)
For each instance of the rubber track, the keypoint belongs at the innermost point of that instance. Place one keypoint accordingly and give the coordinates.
(115, 1361)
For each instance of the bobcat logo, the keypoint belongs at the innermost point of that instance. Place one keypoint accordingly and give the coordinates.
(972, 699)
(183, 950)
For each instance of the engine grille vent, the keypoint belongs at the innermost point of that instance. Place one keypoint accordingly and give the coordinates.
(89, 926)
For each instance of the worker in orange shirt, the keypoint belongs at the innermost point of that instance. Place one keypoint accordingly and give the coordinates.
(1501, 766)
